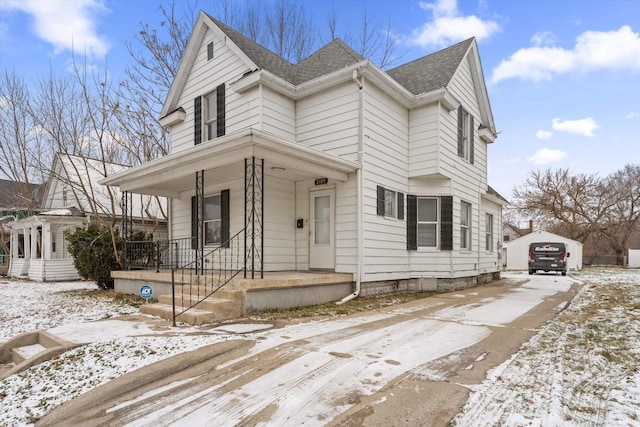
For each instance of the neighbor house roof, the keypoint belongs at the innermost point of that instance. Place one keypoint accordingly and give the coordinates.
(13, 194)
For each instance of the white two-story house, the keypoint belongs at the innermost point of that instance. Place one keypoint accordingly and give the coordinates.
(330, 164)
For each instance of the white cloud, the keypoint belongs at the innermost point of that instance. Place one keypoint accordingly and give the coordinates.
(593, 50)
(543, 38)
(547, 155)
(584, 127)
(66, 25)
(632, 115)
(544, 134)
(449, 26)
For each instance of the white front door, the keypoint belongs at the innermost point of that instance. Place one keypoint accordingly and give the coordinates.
(322, 233)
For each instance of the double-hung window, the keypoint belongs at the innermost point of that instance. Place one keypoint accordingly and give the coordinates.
(211, 116)
(428, 222)
(212, 220)
(465, 135)
(488, 239)
(465, 226)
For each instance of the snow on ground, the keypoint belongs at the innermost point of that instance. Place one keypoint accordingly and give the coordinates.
(581, 369)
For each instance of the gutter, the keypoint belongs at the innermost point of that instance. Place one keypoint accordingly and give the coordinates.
(359, 192)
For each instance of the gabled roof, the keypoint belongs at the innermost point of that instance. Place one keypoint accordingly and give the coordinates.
(429, 75)
(331, 57)
(433, 71)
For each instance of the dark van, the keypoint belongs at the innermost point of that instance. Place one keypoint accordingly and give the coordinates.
(548, 257)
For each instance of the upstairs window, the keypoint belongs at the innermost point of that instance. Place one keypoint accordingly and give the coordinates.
(465, 135)
(209, 116)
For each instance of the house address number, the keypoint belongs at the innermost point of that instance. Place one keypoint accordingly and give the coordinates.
(321, 181)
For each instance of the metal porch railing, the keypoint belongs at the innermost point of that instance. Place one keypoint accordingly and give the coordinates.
(161, 254)
(202, 277)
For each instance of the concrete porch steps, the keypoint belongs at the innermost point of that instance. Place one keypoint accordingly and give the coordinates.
(222, 305)
(29, 349)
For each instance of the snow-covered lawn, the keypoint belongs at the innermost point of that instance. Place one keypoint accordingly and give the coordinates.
(581, 369)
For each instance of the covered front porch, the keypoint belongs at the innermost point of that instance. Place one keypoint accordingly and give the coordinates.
(252, 219)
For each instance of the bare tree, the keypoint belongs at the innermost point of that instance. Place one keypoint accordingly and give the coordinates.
(21, 147)
(290, 30)
(622, 224)
(570, 205)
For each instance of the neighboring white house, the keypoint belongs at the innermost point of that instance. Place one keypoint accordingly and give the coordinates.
(72, 198)
(517, 251)
(634, 258)
(331, 163)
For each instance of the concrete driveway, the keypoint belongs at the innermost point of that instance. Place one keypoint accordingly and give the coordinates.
(411, 364)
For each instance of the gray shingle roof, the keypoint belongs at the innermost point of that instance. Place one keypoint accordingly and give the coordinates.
(425, 74)
(331, 57)
(431, 72)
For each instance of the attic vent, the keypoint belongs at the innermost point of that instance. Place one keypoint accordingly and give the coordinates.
(210, 51)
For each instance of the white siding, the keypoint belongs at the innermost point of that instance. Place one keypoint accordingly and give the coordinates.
(328, 121)
(386, 164)
(278, 114)
(241, 110)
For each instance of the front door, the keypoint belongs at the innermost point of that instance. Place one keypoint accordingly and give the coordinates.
(322, 233)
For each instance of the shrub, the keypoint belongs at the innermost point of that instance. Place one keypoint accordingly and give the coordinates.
(93, 253)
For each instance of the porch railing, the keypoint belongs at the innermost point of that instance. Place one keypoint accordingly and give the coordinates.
(202, 277)
(161, 254)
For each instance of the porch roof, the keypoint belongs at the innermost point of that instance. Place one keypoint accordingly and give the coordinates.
(223, 159)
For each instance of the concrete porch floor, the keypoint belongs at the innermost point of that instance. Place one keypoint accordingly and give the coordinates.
(282, 289)
(271, 279)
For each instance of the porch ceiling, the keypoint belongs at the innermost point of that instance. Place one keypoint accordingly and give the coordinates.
(223, 160)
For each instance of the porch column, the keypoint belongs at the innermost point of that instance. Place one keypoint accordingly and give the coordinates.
(254, 216)
(199, 204)
(46, 241)
(33, 242)
(127, 219)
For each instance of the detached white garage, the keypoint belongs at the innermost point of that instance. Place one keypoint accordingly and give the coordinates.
(517, 251)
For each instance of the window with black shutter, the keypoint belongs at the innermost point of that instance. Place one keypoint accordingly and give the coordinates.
(197, 120)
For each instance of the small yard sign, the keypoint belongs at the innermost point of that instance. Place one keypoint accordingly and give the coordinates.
(146, 292)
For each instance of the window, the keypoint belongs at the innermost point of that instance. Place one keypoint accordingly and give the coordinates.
(212, 220)
(465, 135)
(211, 116)
(428, 222)
(465, 225)
(488, 237)
(210, 51)
(390, 204)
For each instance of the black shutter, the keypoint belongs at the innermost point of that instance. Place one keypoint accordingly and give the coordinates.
(224, 207)
(460, 131)
(412, 222)
(197, 121)
(380, 201)
(471, 144)
(194, 223)
(446, 223)
(220, 104)
(400, 205)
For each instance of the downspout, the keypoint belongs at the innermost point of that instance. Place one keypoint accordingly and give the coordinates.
(359, 192)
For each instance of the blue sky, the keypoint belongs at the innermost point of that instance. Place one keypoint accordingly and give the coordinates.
(563, 76)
